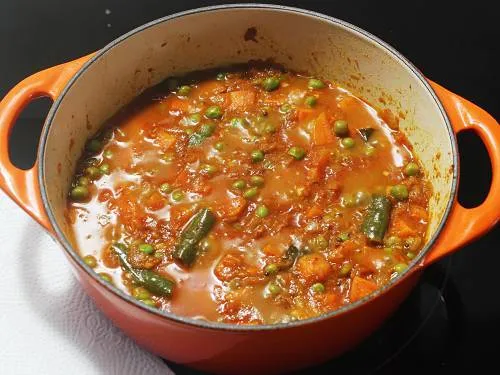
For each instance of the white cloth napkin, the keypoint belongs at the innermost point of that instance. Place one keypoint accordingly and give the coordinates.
(48, 325)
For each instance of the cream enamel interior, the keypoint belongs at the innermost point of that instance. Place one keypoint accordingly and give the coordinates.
(216, 38)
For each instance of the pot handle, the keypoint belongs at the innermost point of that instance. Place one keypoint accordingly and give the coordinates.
(22, 185)
(466, 224)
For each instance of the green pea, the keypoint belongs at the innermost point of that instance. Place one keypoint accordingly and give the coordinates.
(221, 76)
(297, 153)
(271, 269)
(342, 237)
(400, 192)
(268, 164)
(274, 288)
(83, 181)
(270, 83)
(209, 169)
(90, 261)
(251, 193)
(213, 112)
(388, 250)
(146, 248)
(207, 130)
(106, 277)
(108, 154)
(318, 243)
(257, 81)
(177, 195)
(194, 118)
(93, 173)
(159, 254)
(94, 146)
(285, 108)
(341, 128)
(104, 168)
(238, 122)
(370, 150)
(315, 83)
(348, 142)
(166, 188)
(318, 288)
(310, 101)
(412, 243)
(400, 267)
(392, 241)
(411, 169)
(149, 302)
(348, 201)
(141, 293)
(269, 128)
(90, 162)
(79, 193)
(329, 218)
(261, 211)
(410, 255)
(219, 146)
(257, 180)
(362, 197)
(239, 184)
(184, 90)
(257, 156)
(345, 269)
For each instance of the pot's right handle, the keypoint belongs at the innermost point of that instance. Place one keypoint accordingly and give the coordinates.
(466, 224)
(22, 185)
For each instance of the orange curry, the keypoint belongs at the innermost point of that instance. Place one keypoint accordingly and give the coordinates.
(253, 196)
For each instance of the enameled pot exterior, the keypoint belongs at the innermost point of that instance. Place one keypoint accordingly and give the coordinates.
(89, 90)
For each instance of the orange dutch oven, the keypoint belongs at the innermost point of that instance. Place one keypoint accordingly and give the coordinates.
(89, 90)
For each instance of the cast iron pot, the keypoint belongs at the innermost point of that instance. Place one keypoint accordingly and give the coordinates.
(89, 90)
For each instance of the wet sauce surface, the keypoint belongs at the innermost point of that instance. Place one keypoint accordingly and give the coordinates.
(292, 169)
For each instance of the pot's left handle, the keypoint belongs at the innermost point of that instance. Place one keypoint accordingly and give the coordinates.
(22, 185)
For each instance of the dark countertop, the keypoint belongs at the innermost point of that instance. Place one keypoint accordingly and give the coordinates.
(457, 46)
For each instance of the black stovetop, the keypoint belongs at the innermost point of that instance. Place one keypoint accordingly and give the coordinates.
(451, 321)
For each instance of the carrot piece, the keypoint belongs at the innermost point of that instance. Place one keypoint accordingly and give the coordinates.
(314, 211)
(231, 209)
(182, 178)
(329, 301)
(109, 257)
(179, 216)
(317, 161)
(313, 267)
(241, 100)
(304, 113)
(322, 133)
(272, 249)
(209, 88)
(155, 201)
(348, 104)
(229, 266)
(402, 229)
(164, 139)
(418, 213)
(361, 288)
(176, 104)
(105, 195)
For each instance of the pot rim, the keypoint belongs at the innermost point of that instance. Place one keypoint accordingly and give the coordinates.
(418, 261)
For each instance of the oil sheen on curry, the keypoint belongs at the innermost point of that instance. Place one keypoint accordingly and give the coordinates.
(251, 197)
